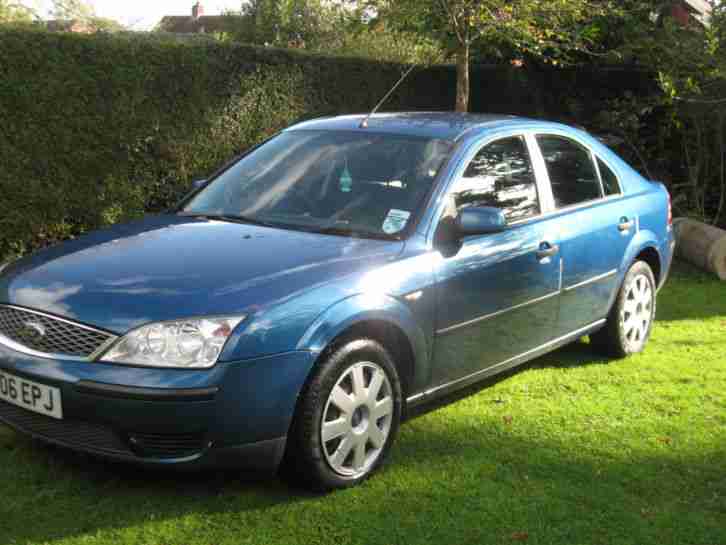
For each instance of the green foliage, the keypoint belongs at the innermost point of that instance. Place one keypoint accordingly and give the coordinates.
(331, 28)
(102, 128)
(545, 29)
(299, 24)
(679, 129)
(14, 12)
(81, 10)
(380, 43)
(72, 9)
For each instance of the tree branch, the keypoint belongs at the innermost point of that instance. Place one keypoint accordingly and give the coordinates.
(457, 27)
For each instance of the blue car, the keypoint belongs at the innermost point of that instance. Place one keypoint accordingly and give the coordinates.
(295, 306)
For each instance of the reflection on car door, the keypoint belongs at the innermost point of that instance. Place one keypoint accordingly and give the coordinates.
(595, 230)
(497, 293)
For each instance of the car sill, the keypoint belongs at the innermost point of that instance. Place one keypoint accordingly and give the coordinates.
(502, 366)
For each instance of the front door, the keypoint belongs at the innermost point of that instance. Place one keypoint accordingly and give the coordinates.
(498, 294)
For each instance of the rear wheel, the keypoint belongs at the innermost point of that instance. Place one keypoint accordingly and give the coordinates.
(346, 420)
(630, 322)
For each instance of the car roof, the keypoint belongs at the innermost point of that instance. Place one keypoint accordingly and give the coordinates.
(441, 125)
(455, 126)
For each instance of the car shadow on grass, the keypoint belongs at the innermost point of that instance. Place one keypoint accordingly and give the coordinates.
(79, 493)
(465, 480)
(576, 354)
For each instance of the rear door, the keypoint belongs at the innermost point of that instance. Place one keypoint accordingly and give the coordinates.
(594, 224)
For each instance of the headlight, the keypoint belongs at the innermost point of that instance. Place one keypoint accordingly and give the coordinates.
(190, 344)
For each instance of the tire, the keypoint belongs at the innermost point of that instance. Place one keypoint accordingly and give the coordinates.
(342, 430)
(630, 321)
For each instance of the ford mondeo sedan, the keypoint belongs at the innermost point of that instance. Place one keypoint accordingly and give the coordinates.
(294, 306)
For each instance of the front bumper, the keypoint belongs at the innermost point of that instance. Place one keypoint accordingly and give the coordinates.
(236, 414)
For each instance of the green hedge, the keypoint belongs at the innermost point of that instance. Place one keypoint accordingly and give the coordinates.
(97, 129)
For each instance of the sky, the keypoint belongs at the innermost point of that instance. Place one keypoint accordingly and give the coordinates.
(143, 14)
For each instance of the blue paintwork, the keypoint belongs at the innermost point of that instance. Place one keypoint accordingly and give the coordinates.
(300, 291)
(490, 274)
(481, 220)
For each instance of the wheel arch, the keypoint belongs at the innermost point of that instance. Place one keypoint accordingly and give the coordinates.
(385, 320)
(644, 246)
(651, 256)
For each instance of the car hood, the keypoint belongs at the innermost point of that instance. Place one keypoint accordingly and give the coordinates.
(168, 267)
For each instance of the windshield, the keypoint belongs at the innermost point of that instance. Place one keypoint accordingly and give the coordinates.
(348, 183)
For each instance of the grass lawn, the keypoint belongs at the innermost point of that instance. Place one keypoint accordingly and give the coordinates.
(571, 449)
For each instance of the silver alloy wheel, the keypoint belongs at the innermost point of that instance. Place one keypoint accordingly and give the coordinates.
(357, 419)
(637, 311)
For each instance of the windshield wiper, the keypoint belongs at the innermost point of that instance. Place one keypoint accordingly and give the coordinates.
(335, 229)
(231, 218)
(353, 232)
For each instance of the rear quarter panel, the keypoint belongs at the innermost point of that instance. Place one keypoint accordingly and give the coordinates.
(645, 200)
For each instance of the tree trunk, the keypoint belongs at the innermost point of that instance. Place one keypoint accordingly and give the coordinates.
(462, 79)
(701, 244)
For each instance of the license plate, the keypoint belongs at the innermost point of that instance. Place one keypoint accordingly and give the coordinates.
(30, 395)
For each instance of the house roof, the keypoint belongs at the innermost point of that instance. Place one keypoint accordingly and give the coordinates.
(702, 7)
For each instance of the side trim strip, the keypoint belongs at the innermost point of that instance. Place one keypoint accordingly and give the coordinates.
(145, 394)
(591, 280)
(497, 313)
(488, 371)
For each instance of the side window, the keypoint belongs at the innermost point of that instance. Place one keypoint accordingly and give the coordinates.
(609, 180)
(501, 175)
(571, 169)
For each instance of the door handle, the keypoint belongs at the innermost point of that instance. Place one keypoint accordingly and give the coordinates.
(625, 224)
(547, 250)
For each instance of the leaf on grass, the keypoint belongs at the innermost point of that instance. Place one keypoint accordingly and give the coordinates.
(665, 440)
(507, 419)
(520, 536)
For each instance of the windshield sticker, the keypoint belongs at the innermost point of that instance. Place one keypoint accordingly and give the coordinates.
(395, 221)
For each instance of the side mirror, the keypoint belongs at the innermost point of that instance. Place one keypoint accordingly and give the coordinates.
(480, 221)
(197, 184)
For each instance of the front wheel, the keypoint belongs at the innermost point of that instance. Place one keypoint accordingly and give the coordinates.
(346, 420)
(630, 322)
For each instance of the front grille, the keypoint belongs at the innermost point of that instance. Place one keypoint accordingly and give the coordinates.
(177, 445)
(72, 433)
(49, 335)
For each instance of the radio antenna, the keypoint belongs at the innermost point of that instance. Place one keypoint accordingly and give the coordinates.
(364, 123)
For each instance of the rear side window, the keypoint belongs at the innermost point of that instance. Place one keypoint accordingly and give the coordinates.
(571, 170)
(609, 180)
(500, 175)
